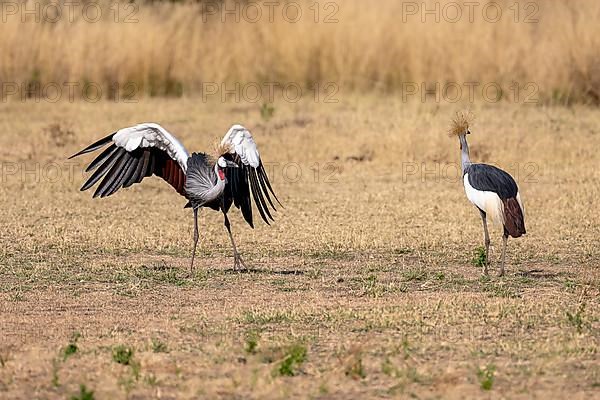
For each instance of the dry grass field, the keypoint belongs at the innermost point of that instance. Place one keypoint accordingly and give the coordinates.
(365, 287)
(174, 48)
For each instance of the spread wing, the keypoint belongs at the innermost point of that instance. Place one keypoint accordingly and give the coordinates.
(249, 178)
(133, 154)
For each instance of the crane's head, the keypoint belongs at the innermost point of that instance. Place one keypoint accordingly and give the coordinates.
(223, 163)
(460, 123)
(221, 151)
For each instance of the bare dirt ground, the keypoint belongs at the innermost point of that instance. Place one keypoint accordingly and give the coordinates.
(365, 287)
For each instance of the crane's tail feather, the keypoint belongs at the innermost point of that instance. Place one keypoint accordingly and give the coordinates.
(514, 221)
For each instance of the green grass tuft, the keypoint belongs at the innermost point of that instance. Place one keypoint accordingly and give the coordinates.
(158, 346)
(252, 342)
(576, 319)
(122, 354)
(84, 394)
(486, 376)
(267, 111)
(480, 257)
(71, 348)
(295, 357)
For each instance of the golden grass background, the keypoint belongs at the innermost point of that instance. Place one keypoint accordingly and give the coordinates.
(172, 50)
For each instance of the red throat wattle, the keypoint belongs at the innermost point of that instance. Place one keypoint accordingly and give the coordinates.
(221, 174)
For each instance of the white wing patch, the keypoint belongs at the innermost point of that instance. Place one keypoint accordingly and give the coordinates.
(241, 142)
(152, 135)
(487, 201)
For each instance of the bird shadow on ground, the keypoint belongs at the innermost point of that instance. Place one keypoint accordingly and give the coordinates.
(538, 273)
(263, 271)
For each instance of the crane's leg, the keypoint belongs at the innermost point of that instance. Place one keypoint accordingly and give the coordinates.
(195, 240)
(238, 263)
(504, 240)
(486, 237)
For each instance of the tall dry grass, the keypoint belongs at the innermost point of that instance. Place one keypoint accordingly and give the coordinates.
(174, 48)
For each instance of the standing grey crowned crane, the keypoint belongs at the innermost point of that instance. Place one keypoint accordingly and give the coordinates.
(493, 191)
(149, 149)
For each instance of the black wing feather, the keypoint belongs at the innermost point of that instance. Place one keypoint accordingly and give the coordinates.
(103, 169)
(262, 172)
(134, 172)
(125, 176)
(242, 200)
(145, 166)
(261, 197)
(261, 180)
(103, 156)
(231, 187)
(111, 176)
(246, 183)
(237, 191)
(151, 166)
(255, 192)
(486, 177)
(95, 146)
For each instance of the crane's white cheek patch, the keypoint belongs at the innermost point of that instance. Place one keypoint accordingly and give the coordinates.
(486, 201)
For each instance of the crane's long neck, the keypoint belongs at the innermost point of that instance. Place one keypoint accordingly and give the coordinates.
(464, 153)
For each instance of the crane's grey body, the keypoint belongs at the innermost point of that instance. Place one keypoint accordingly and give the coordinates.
(205, 187)
(202, 185)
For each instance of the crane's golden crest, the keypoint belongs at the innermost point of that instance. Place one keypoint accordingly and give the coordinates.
(460, 122)
(222, 148)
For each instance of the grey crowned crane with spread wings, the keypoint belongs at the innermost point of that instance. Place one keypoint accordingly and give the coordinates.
(493, 191)
(149, 149)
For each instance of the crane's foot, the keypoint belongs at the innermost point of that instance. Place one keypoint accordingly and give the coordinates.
(191, 270)
(238, 263)
(501, 273)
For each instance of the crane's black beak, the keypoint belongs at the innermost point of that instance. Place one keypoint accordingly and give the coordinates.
(231, 164)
